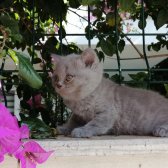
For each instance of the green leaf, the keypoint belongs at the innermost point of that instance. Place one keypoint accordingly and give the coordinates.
(166, 88)
(17, 37)
(13, 56)
(12, 26)
(140, 76)
(26, 70)
(162, 18)
(74, 3)
(97, 12)
(101, 55)
(126, 5)
(138, 80)
(141, 25)
(8, 84)
(121, 45)
(51, 9)
(6, 4)
(2, 53)
(49, 46)
(37, 127)
(88, 2)
(116, 78)
(36, 61)
(156, 46)
(149, 47)
(110, 19)
(61, 33)
(106, 75)
(89, 32)
(107, 46)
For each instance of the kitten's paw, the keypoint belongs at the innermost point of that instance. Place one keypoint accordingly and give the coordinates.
(161, 131)
(63, 130)
(81, 133)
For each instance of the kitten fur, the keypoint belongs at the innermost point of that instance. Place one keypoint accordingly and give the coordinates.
(100, 106)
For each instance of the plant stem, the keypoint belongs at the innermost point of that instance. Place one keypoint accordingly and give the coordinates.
(141, 55)
(18, 163)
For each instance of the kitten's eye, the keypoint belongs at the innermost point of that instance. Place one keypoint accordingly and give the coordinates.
(69, 78)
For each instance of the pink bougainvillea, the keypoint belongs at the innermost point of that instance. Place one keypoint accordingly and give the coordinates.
(25, 132)
(37, 101)
(11, 135)
(31, 153)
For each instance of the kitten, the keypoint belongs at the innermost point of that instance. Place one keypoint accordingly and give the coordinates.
(100, 106)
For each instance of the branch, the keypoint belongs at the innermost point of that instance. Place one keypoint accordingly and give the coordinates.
(141, 55)
(156, 56)
(134, 58)
(78, 15)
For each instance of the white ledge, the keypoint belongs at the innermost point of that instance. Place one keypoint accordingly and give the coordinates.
(106, 145)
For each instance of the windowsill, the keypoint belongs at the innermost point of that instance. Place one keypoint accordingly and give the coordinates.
(103, 152)
(106, 145)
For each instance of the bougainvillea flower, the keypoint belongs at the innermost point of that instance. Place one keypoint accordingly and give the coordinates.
(37, 101)
(31, 154)
(25, 132)
(2, 152)
(1, 157)
(9, 131)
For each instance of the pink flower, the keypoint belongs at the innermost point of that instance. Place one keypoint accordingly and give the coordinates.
(125, 15)
(37, 101)
(106, 8)
(25, 132)
(1, 158)
(2, 152)
(31, 154)
(9, 132)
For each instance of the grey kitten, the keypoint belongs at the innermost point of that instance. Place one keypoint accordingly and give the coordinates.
(100, 106)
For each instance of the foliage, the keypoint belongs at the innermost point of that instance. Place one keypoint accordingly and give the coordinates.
(36, 27)
(23, 25)
(25, 69)
(139, 80)
(108, 26)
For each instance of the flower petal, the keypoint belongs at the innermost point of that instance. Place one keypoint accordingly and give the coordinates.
(33, 152)
(25, 132)
(6, 118)
(33, 147)
(9, 131)
(27, 163)
(30, 164)
(42, 157)
(10, 143)
(2, 153)
(1, 158)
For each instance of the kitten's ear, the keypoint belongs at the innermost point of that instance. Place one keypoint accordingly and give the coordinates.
(89, 57)
(55, 58)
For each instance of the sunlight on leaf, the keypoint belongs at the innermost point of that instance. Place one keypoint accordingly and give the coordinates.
(26, 70)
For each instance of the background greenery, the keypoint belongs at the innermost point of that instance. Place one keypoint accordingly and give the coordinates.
(36, 26)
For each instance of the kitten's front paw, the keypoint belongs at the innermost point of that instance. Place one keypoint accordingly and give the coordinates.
(62, 130)
(81, 133)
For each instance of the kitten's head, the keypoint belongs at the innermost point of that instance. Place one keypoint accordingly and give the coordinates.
(76, 76)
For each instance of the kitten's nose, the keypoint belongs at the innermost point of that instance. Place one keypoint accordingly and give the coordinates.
(59, 85)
